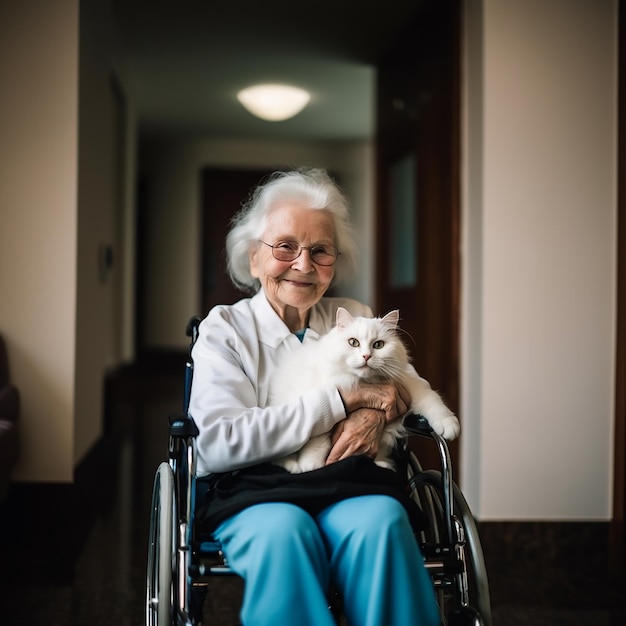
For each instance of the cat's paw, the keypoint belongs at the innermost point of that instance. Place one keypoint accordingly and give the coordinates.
(447, 427)
(291, 465)
(385, 464)
(308, 466)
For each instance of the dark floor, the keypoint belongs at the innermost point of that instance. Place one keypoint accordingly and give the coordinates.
(89, 569)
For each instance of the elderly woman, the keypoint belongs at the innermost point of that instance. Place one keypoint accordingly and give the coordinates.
(288, 245)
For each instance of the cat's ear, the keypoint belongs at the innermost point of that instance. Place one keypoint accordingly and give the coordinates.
(392, 318)
(343, 317)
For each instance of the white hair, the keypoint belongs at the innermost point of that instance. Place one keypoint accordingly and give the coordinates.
(311, 187)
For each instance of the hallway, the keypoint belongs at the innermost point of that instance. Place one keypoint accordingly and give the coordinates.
(104, 586)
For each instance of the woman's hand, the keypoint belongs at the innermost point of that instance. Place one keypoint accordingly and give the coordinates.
(393, 400)
(359, 433)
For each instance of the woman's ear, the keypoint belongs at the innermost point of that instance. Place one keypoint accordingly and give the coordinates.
(253, 255)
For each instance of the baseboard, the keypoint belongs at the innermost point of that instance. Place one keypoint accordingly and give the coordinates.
(557, 560)
(43, 526)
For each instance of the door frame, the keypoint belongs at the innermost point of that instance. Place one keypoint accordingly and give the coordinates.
(618, 528)
(418, 115)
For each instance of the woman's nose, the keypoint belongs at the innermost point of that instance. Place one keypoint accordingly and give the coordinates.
(303, 262)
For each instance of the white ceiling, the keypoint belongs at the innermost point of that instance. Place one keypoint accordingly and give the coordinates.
(184, 62)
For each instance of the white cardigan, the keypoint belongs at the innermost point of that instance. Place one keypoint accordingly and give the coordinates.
(236, 352)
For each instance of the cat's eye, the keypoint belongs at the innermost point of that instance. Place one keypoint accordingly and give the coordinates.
(378, 344)
(354, 342)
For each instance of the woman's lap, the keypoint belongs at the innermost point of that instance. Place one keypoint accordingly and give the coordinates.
(358, 544)
(277, 549)
(372, 546)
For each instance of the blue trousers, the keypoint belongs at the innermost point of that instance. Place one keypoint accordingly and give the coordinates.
(364, 547)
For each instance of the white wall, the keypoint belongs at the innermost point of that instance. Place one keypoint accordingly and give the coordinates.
(539, 258)
(60, 202)
(172, 172)
(38, 224)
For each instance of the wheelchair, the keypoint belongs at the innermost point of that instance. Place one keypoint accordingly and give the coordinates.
(182, 569)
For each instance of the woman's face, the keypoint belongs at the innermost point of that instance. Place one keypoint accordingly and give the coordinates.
(293, 287)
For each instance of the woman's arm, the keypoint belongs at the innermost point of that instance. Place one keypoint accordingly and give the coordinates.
(392, 399)
(370, 408)
(359, 433)
(229, 369)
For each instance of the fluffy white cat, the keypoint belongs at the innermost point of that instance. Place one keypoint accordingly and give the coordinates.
(357, 350)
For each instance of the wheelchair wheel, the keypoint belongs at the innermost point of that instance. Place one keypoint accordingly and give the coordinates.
(464, 595)
(161, 552)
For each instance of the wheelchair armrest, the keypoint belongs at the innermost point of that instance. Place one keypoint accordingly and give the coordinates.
(182, 459)
(192, 328)
(417, 425)
(182, 425)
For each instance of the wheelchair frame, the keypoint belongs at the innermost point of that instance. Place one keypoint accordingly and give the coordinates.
(180, 567)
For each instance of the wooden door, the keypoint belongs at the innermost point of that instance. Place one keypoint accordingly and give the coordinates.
(223, 193)
(418, 197)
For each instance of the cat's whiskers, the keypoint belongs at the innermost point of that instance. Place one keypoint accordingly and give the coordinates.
(390, 370)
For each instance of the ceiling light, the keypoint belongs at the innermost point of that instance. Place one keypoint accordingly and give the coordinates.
(274, 103)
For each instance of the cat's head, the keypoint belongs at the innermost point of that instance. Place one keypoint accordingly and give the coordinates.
(369, 347)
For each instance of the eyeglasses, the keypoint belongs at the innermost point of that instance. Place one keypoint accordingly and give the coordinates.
(321, 254)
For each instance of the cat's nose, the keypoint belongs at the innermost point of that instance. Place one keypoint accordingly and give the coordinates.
(366, 357)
